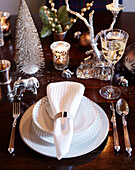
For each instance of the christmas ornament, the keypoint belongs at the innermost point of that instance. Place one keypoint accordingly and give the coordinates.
(28, 49)
(85, 40)
(129, 60)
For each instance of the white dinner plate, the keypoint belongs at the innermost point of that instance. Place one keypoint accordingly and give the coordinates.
(48, 149)
(84, 130)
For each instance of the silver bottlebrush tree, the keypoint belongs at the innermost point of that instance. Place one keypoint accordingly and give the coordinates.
(28, 50)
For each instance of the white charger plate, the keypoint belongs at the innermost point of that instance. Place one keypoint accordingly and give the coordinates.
(84, 130)
(48, 149)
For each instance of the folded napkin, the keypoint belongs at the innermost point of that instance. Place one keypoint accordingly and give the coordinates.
(64, 98)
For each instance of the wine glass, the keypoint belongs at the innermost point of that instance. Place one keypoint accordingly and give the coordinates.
(113, 43)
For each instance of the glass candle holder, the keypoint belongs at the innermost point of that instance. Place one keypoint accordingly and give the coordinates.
(4, 72)
(60, 50)
(5, 23)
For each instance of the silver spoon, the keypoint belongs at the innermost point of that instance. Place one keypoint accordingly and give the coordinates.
(122, 109)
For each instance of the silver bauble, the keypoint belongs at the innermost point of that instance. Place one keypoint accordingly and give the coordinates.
(129, 60)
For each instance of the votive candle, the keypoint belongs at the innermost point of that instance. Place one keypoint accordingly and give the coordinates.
(115, 3)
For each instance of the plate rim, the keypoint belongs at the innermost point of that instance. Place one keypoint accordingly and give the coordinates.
(40, 103)
(106, 130)
(49, 136)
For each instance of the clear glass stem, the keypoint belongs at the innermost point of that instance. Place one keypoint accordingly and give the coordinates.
(110, 90)
(112, 74)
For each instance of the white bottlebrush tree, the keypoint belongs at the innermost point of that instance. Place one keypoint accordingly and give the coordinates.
(28, 50)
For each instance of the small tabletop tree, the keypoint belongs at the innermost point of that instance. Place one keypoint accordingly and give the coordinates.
(28, 49)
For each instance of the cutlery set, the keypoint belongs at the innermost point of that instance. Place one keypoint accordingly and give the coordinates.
(122, 109)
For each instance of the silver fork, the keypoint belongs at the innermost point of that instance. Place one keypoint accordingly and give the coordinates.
(16, 114)
(115, 132)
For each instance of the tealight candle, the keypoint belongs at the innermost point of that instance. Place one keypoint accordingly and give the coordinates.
(60, 50)
(4, 72)
(5, 24)
(115, 3)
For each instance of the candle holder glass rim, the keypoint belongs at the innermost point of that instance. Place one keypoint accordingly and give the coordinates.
(4, 72)
(5, 14)
(54, 44)
(8, 65)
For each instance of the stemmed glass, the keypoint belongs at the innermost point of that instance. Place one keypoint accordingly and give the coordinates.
(113, 44)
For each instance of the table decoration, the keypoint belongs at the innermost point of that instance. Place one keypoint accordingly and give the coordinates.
(88, 69)
(4, 20)
(55, 21)
(21, 85)
(129, 58)
(87, 128)
(123, 81)
(4, 72)
(60, 50)
(28, 50)
(48, 149)
(77, 34)
(67, 73)
(84, 41)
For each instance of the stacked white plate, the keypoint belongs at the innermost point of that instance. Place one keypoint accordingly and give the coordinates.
(91, 127)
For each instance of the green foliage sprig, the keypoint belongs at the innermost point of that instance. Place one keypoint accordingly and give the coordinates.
(54, 20)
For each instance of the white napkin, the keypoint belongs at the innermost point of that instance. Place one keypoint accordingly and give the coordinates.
(64, 97)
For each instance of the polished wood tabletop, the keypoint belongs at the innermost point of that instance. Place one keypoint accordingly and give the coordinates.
(102, 157)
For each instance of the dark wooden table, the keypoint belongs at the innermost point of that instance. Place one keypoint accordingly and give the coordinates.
(104, 156)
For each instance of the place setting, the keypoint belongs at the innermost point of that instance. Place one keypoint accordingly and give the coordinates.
(67, 85)
(65, 123)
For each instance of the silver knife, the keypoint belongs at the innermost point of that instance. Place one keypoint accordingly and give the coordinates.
(115, 133)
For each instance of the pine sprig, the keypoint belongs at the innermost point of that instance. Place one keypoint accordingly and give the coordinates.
(45, 31)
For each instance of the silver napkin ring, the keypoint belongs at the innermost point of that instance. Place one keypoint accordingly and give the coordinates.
(63, 114)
